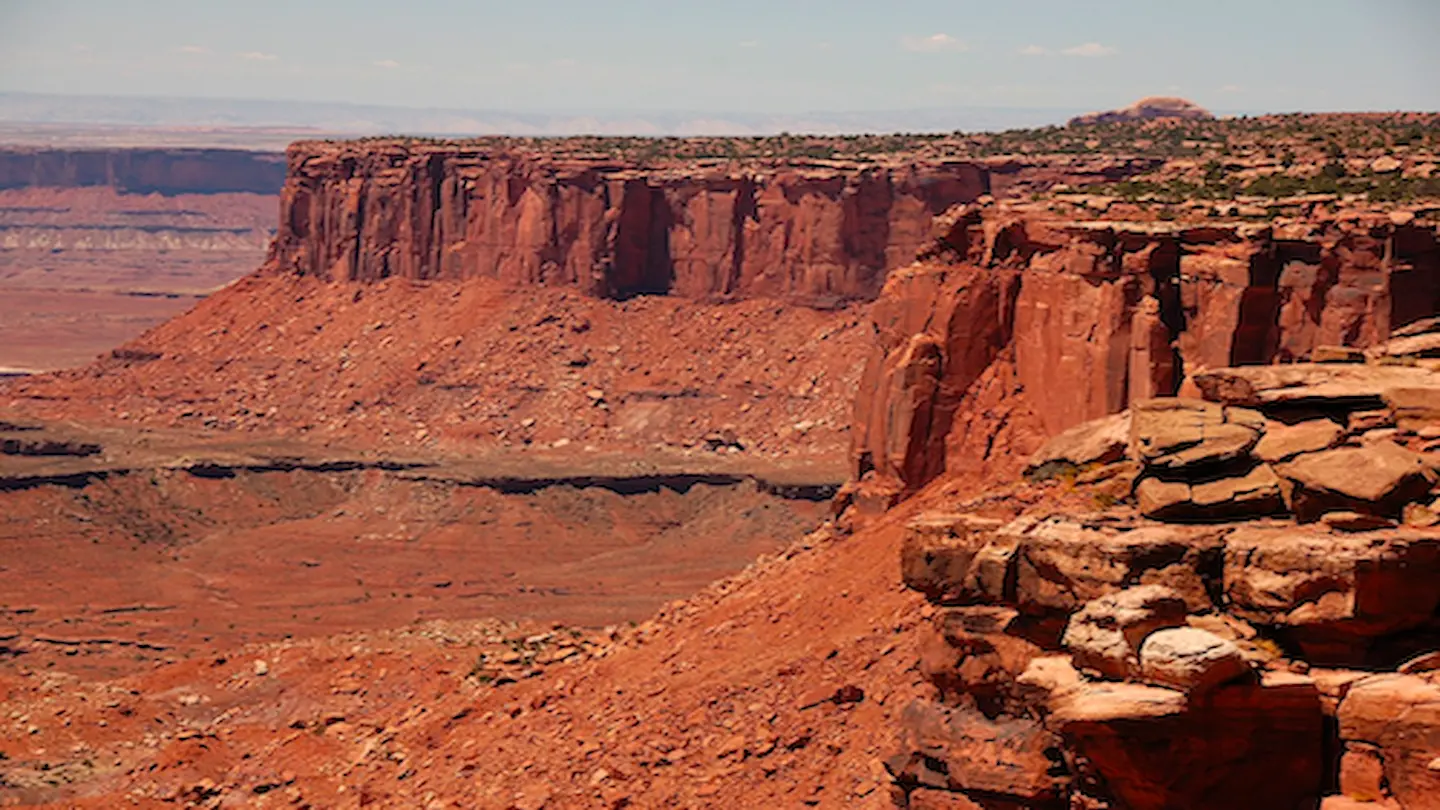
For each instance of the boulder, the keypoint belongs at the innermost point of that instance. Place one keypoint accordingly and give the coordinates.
(929, 799)
(1417, 346)
(1190, 659)
(1420, 515)
(1178, 434)
(992, 573)
(1336, 593)
(960, 749)
(1106, 634)
(1046, 679)
(1283, 441)
(1163, 500)
(1258, 651)
(1378, 479)
(1337, 387)
(1394, 719)
(1385, 164)
(1099, 441)
(937, 552)
(1241, 745)
(1415, 407)
(1060, 563)
(1253, 493)
(1355, 522)
(973, 656)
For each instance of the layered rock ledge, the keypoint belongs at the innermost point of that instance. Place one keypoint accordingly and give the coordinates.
(1246, 618)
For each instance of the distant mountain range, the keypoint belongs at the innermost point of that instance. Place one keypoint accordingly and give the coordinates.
(361, 119)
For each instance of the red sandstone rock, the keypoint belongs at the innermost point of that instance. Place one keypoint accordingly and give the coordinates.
(1256, 492)
(937, 329)
(1106, 314)
(1190, 659)
(1099, 441)
(1282, 442)
(417, 211)
(1343, 388)
(938, 553)
(1415, 407)
(1395, 719)
(1011, 757)
(927, 799)
(1379, 480)
(1061, 565)
(1175, 434)
(1337, 592)
(975, 655)
(1242, 745)
(1106, 635)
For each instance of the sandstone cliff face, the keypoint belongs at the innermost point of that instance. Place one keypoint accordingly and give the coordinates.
(144, 171)
(800, 231)
(1019, 326)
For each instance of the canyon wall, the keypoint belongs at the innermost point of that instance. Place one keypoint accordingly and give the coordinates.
(1019, 325)
(814, 231)
(144, 171)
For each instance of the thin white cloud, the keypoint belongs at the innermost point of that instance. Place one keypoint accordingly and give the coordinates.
(932, 43)
(80, 48)
(195, 49)
(258, 56)
(1091, 49)
(750, 43)
(390, 64)
(1034, 50)
(565, 64)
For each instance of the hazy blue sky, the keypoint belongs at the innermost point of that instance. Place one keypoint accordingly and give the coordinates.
(741, 55)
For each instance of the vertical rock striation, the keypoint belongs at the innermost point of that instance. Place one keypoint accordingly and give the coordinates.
(811, 231)
(1017, 325)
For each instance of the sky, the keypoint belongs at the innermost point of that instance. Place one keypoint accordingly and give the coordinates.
(739, 55)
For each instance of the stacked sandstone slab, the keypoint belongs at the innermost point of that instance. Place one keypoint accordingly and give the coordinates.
(1251, 624)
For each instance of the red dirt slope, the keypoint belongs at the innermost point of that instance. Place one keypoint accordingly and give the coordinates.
(780, 685)
(448, 364)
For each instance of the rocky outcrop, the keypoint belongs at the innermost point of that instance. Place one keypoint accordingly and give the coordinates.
(1263, 633)
(1151, 108)
(144, 171)
(1017, 321)
(1154, 696)
(807, 230)
(1179, 681)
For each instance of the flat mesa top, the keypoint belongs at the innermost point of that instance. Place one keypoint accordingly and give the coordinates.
(1324, 161)
(1352, 133)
